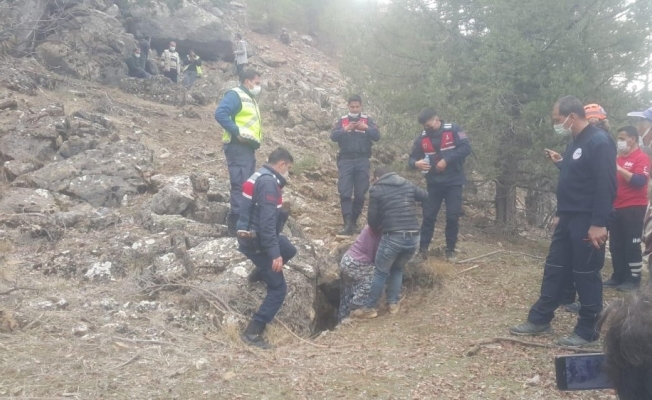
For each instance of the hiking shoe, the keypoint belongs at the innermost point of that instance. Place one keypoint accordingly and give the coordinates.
(628, 286)
(572, 307)
(394, 308)
(530, 329)
(255, 341)
(254, 276)
(364, 313)
(610, 283)
(575, 341)
(450, 256)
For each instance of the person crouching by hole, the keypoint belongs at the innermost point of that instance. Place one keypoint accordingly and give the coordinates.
(135, 66)
(628, 346)
(357, 272)
(259, 226)
(392, 212)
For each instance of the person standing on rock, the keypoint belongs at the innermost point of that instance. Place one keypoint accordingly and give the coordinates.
(439, 153)
(585, 196)
(171, 63)
(392, 213)
(239, 115)
(135, 68)
(260, 239)
(144, 46)
(192, 71)
(240, 52)
(355, 134)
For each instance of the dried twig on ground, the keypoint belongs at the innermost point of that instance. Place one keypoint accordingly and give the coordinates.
(6, 292)
(498, 252)
(479, 257)
(124, 364)
(477, 346)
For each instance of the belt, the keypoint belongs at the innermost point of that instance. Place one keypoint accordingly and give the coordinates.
(404, 233)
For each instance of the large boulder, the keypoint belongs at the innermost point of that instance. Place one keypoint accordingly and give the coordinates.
(174, 198)
(92, 45)
(101, 177)
(301, 310)
(191, 27)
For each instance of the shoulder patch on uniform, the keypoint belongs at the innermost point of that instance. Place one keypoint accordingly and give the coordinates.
(577, 154)
(462, 135)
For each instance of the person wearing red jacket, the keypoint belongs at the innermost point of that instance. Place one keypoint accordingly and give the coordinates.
(630, 204)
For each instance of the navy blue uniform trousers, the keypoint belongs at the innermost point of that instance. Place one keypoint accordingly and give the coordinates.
(353, 184)
(275, 281)
(241, 163)
(452, 195)
(572, 258)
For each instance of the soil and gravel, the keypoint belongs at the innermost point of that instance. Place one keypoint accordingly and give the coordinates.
(116, 280)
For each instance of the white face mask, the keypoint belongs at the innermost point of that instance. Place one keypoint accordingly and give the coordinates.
(286, 175)
(172, 48)
(256, 90)
(354, 115)
(622, 146)
(137, 55)
(560, 130)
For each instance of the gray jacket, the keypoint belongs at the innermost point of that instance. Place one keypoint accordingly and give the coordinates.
(241, 53)
(392, 205)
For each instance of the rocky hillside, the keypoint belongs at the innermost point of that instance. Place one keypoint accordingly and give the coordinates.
(115, 189)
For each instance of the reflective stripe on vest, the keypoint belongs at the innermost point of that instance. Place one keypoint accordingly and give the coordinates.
(447, 141)
(247, 120)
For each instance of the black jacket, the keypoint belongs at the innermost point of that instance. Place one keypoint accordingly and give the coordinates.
(587, 177)
(392, 204)
(134, 65)
(355, 144)
(453, 175)
(263, 198)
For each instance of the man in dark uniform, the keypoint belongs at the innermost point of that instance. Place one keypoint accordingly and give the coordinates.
(239, 115)
(585, 197)
(355, 134)
(439, 153)
(259, 238)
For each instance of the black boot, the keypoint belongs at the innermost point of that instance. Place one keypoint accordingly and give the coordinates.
(253, 335)
(354, 223)
(231, 223)
(348, 229)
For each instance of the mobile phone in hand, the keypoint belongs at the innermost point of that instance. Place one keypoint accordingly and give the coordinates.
(581, 372)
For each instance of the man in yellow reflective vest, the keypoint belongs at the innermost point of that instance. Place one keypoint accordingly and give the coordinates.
(239, 115)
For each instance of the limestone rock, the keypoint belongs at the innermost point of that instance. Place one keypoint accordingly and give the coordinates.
(174, 198)
(101, 177)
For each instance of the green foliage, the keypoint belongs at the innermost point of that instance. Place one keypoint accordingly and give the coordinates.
(496, 67)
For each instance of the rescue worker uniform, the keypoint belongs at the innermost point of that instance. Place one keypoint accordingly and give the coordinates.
(353, 166)
(239, 115)
(449, 143)
(262, 214)
(585, 195)
(626, 230)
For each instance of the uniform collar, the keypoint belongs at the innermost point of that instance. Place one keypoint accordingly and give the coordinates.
(243, 87)
(279, 178)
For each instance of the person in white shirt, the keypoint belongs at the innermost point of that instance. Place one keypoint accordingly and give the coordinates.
(171, 63)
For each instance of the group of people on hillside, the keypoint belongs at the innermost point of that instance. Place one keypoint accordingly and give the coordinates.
(170, 62)
(602, 185)
(602, 195)
(392, 235)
